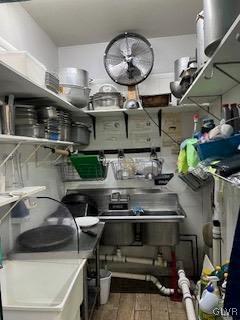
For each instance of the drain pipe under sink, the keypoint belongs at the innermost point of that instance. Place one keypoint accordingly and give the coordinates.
(119, 258)
(154, 280)
(184, 285)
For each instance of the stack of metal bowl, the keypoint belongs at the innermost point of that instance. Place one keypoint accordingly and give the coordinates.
(48, 116)
(64, 125)
(26, 122)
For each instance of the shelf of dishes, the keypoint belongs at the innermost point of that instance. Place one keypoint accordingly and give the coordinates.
(15, 195)
(28, 123)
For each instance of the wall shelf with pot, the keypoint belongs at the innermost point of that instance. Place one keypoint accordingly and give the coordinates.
(12, 139)
(111, 112)
(221, 73)
(27, 91)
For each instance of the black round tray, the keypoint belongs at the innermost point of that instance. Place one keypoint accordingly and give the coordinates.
(46, 238)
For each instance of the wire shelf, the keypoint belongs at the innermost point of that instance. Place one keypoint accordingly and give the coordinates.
(69, 173)
(127, 168)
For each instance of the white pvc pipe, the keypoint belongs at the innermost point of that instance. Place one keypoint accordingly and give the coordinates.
(184, 285)
(154, 280)
(124, 259)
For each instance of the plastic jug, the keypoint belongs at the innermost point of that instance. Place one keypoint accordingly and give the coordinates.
(209, 300)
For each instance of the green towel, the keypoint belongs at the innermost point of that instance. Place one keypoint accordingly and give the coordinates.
(188, 157)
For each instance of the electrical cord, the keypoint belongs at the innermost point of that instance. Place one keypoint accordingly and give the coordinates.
(153, 121)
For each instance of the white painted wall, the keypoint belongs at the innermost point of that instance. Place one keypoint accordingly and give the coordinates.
(90, 57)
(20, 29)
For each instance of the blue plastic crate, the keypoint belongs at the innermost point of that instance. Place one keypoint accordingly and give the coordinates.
(219, 148)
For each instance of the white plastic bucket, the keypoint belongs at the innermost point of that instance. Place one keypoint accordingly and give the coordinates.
(105, 283)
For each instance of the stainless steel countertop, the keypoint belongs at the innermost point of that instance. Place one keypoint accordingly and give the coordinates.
(86, 249)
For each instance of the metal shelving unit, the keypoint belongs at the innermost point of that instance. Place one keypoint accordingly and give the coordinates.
(115, 112)
(12, 139)
(26, 91)
(222, 71)
(18, 194)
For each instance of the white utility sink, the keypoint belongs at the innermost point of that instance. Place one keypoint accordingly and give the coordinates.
(37, 290)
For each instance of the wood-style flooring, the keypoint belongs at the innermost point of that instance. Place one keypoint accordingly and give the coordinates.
(139, 306)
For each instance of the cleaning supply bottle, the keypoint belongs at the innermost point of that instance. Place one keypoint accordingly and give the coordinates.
(208, 303)
(205, 279)
(195, 122)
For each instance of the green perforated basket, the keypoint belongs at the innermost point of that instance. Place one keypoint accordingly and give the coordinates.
(89, 167)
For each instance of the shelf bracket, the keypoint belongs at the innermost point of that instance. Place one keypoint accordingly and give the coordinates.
(160, 122)
(191, 99)
(93, 118)
(59, 157)
(11, 154)
(218, 64)
(32, 154)
(126, 123)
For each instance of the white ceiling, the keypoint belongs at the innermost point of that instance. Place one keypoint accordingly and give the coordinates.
(75, 22)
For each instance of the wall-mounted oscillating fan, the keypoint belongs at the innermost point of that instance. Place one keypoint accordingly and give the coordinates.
(128, 60)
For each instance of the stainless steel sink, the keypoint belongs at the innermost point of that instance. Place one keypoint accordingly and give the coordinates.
(146, 216)
(159, 220)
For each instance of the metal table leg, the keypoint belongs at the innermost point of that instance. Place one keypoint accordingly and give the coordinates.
(85, 290)
(98, 274)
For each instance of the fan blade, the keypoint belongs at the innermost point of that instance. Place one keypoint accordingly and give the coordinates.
(126, 46)
(118, 69)
(139, 65)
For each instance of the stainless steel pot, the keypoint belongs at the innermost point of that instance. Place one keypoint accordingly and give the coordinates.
(218, 17)
(73, 77)
(201, 57)
(80, 133)
(180, 65)
(107, 99)
(78, 96)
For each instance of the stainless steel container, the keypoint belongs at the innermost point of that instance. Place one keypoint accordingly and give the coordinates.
(118, 234)
(180, 65)
(64, 132)
(218, 17)
(160, 233)
(80, 133)
(201, 57)
(8, 117)
(47, 113)
(73, 77)
(35, 131)
(107, 99)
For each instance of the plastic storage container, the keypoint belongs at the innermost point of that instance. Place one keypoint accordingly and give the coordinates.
(26, 64)
(219, 148)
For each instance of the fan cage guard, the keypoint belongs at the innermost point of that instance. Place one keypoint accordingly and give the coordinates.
(128, 35)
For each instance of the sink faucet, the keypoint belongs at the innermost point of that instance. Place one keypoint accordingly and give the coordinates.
(118, 197)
